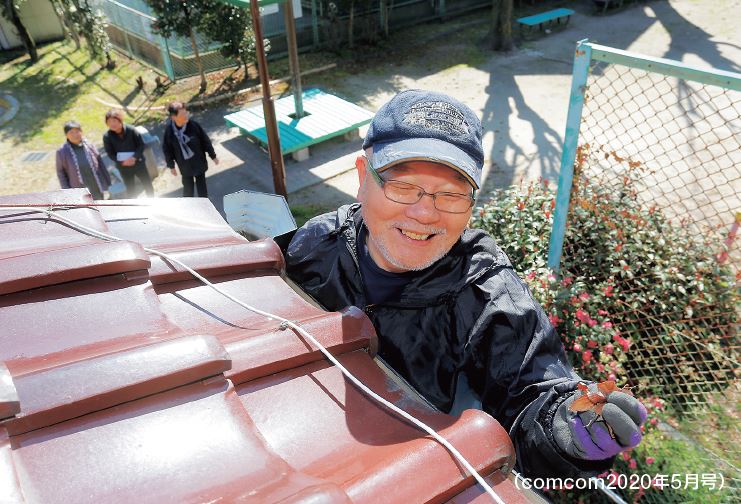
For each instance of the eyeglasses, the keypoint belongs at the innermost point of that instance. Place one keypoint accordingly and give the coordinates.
(409, 194)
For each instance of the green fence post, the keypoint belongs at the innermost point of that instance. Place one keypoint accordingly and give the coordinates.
(711, 77)
(166, 58)
(580, 73)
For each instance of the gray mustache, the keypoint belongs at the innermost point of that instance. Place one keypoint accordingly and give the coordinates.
(418, 229)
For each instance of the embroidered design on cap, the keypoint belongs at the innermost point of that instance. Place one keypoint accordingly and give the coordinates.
(438, 115)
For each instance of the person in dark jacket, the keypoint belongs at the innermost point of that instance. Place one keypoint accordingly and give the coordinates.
(186, 143)
(125, 146)
(452, 316)
(79, 164)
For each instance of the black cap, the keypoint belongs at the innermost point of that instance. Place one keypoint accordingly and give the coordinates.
(427, 125)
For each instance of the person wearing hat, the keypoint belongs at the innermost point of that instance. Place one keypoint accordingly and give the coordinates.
(79, 164)
(452, 316)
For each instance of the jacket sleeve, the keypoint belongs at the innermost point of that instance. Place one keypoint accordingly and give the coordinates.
(61, 171)
(520, 371)
(167, 149)
(102, 169)
(138, 144)
(206, 142)
(109, 149)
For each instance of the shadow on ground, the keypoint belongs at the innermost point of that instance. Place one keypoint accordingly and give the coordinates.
(549, 57)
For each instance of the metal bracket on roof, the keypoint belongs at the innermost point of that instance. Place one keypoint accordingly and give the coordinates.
(10, 405)
(259, 215)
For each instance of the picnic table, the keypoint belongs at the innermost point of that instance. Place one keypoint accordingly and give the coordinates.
(326, 116)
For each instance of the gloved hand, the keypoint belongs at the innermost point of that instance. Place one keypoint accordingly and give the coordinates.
(585, 435)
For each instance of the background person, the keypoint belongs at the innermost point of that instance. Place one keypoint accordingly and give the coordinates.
(452, 316)
(186, 143)
(125, 147)
(79, 164)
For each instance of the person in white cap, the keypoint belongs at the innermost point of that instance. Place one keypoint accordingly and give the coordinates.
(452, 316)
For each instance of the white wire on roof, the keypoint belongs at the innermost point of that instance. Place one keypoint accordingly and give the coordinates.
(49, 212)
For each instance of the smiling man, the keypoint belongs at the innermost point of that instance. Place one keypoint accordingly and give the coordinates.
(452, 316)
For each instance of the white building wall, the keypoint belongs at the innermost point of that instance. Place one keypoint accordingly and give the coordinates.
(40, 20)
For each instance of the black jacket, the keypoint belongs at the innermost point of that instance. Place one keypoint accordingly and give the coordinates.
(130, 141)
(469, 313)
(199, 143)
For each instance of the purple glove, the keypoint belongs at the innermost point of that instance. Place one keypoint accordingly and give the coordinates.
(585, 435)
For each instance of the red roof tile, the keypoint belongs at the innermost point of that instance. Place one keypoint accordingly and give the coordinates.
(125, 379)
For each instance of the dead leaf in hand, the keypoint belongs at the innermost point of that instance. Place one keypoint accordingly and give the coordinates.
(608, 387)
(596, 402)
(582, 403)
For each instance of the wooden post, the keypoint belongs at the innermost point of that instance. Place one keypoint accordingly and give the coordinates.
(268, 108)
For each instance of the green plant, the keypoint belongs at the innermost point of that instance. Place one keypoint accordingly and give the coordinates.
(640, 299)
(303, 213)
(632, 280)
(80, 18)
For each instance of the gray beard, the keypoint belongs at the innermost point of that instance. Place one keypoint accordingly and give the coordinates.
(398, 264)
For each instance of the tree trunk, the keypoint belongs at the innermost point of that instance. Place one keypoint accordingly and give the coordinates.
(75, 36)
(246, 69)
(110, 64)
(350, 35)
(501, 25)
(389, 8)
(75, 33)
(26, 38)
(69, 32)
(199, 63)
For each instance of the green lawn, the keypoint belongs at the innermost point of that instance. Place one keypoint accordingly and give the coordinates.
(303, 213)
(64, 85)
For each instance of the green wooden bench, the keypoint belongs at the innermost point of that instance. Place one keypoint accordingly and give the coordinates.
(545, 17)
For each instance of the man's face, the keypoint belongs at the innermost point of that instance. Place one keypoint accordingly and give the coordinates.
(411, 237)
(114, 124)
(74, 135)
(180, 118)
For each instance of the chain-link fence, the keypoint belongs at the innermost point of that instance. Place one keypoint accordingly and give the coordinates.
(343, 22)
(130, 30)
(662, 139)
(318, 23)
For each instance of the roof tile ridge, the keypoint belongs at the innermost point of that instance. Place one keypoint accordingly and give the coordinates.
(53, 395)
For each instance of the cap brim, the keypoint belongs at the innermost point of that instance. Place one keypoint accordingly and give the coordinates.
(389, 154)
